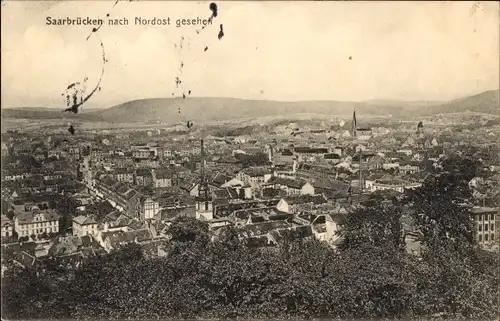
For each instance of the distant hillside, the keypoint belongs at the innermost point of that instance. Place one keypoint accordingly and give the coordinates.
(210, 109)
(486, 102)
(173, 110)
(418, 103)
(45, 113)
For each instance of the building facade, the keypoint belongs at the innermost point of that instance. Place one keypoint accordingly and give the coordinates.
(36, 222)
(83, 225)
(486, 219)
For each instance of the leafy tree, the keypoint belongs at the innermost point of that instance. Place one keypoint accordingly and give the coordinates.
(186, 229)
(463, 168)
(370, 277)
(249, 160)
(127, 253)
(376, 225)
(439, 213)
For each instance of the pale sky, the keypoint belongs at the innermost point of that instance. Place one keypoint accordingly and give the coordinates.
(270, 50)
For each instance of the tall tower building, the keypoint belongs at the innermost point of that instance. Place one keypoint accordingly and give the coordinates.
(354, 125)
(204, 204)
(85, 167)
(269, 150)
(420, 128)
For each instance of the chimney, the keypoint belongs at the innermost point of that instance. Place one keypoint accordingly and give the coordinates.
(270, 153)
(202, 161)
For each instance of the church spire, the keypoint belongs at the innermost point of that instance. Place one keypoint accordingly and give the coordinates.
(204, 209)
(203, 186)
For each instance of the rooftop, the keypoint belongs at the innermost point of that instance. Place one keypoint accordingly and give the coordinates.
(84, 220)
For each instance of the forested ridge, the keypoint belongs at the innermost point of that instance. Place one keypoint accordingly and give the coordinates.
(370, 275)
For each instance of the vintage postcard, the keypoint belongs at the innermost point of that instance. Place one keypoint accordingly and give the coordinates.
(250, 160)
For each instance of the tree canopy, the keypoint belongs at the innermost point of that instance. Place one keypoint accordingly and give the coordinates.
(369, 276)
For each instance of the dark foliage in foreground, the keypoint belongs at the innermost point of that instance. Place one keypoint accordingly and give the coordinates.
(305, 279)
(371, 275)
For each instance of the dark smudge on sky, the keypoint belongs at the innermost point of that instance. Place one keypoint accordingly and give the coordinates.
(94, 30)
(180, 48)
(221, 32)
(76, 98)
(214, 9)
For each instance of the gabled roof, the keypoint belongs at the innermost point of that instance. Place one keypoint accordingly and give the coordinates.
(327, 184)
(218, 179)
(319, 228)
(129, 194)
(117, 219)
(6, 221)
(136, 225)
(226, 193)
(170, 214)
(84, 220)
(409, 162)
(302, 199)
(251, 230)
(71, 244)
(143, 172)
(42, 216)
(311, 150)
(129, 237)
(482, 210)
(335, 217)
(375, 176)
(105, 208)
(122, 170)
(256, 171)
(291, 183)
(163, 173)
(108, 181)
(332, 156)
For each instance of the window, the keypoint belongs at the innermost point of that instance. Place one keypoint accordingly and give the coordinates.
(492, 226)
(486, 227)
(492, 217)
(486, 237)
(480, 227)
(492, 237)
(479, 217)
(480, 237)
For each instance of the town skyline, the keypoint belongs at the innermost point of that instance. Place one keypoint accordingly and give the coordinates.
(384, 51)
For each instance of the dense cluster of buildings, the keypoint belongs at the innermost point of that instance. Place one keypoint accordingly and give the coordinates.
(104, 190)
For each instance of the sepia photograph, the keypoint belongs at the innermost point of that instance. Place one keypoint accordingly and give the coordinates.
(250, 160)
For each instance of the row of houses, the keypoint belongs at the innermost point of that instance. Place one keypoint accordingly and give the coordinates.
(32, 222)
(156, 178)
(125, 198)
